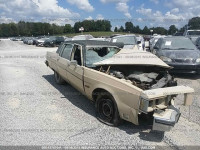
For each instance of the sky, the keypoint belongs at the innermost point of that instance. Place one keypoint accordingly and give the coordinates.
(151, 13)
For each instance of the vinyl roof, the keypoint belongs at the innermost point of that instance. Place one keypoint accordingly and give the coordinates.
(95, 43)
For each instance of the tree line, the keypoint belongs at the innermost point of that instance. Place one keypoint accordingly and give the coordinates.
(129, 27)
(193, 23)
(38, 28)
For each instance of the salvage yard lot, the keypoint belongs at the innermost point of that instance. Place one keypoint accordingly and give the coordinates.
(34, 110)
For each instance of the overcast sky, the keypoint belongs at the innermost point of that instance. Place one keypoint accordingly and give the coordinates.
(140, 12)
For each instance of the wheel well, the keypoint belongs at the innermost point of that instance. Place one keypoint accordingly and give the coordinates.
(96, 91)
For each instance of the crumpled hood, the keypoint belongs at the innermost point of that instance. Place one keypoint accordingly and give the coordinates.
(181, 54)
(133, 57)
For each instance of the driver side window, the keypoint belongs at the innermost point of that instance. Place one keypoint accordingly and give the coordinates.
(76, 54)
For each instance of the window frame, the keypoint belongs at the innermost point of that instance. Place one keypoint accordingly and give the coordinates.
(61, 53)
(81, 53)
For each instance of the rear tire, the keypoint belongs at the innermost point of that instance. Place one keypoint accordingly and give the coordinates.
(58, 78)
(106, 109)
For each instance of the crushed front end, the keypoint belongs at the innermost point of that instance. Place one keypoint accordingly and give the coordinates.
(160, 103)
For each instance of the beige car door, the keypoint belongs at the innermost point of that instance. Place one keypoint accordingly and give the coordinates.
(75, 68)
(63, 60)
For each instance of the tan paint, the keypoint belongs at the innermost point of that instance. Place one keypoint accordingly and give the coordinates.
(126, 95)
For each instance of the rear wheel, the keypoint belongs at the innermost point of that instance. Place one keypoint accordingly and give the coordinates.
(58, 78)
(106, 110)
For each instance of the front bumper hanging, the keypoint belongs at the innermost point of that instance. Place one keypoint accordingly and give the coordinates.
(165, 120)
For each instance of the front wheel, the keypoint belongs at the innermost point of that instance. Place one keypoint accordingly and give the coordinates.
(106, 110)
(58, 78)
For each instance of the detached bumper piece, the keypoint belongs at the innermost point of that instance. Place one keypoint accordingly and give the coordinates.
(166, 119)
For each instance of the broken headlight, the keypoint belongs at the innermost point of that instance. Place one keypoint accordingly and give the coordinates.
(144, 104)
(165, 59)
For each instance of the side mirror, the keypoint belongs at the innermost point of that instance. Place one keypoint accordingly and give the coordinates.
(73, 63)
(138, 42)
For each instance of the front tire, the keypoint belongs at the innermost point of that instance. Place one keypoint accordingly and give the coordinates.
(106, 109)
(58, 78)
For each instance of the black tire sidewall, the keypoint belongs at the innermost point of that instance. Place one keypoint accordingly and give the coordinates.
(58, 78)
(116, 118)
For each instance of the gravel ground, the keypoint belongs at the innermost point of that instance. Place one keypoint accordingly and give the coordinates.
(35, 111)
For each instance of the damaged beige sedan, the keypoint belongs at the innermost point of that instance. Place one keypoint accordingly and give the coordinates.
(123, 84)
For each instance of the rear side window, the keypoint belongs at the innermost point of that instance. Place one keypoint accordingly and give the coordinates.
(67, 51)
(60, 48)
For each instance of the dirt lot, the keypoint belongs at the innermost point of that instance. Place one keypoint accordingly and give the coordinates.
(34, 110)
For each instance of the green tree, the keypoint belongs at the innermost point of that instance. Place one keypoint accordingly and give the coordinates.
(77, 25)
(182, 29)
(121, 29)
(146, 30)
(129, 27)
(137, 29)
(5, 30)
(21, 28)
(68, 28)
(159, 30)
(116, 29)
(13, 29)
(172, 30)
(194, 23)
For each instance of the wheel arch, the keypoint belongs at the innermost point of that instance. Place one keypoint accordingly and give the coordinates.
(100, 90)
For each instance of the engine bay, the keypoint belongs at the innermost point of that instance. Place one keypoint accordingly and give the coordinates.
(144, 77)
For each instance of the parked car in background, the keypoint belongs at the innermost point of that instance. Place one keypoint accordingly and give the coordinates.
(99, 39)
(197, 43)
(67, 38)
(178, 34)
(147, 37)
(141, 42)
(153, 41)
(15, 39)
(82, 37)
(121, 87)
(130, 41)
(192, 34)
(28, 40)
(40, 42)
(53, 41)
(180, 53)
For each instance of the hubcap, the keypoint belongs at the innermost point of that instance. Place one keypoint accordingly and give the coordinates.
(107, 110)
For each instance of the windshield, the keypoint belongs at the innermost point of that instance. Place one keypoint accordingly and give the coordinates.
(154, 41)
(193, 32)
(97, 54)
(127, 40)
(177, 44)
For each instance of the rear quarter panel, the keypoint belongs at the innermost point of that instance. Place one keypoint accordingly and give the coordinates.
(52, 57)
